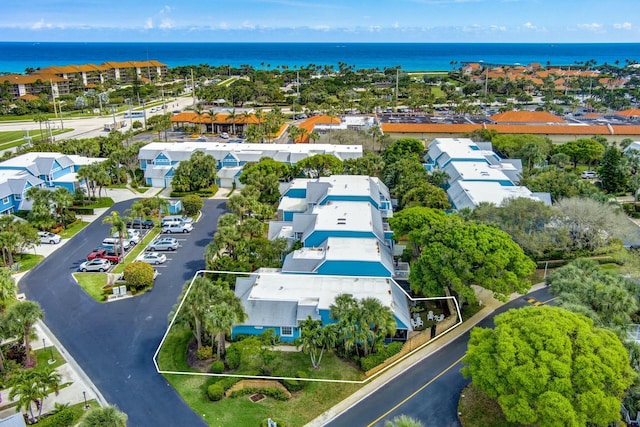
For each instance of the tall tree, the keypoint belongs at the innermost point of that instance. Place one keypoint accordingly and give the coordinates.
(315, 339)
(118, 225)
(21, 317)
(549, 366)
(105, 416)
(613, 174)
(8, 289)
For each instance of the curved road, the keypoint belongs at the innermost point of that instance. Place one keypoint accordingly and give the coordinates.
(430, 389)
(114, 343)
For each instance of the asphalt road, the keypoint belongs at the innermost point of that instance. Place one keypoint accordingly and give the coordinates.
(114, 343)
(430, 390)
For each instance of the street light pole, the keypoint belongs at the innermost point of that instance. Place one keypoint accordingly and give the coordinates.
(84, 395)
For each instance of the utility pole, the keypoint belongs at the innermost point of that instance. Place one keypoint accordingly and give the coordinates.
(397, 78)
(53, 97)
(193, 89)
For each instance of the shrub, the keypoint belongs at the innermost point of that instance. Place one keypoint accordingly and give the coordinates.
(63, 418)
(228, 382)
(233, 357)
(373, 360)
(192, 204)
(217, 367)
(138, 275)
(265, 423)
(215, 392)
(296, 385)
(82, 210)
(267, 391)
(204, 353)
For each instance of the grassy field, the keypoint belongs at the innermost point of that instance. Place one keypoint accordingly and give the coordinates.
(43, 356)
(92, 284)
(301, 408)
(73, 230)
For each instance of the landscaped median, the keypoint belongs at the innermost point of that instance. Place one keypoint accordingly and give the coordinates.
(94, 284)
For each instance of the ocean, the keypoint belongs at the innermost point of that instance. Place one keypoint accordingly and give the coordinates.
(15, 57)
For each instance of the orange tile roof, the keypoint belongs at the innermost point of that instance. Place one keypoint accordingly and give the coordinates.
(626, 130)
(551, 129)
(29, 97)
(30, 79)
(222, 118)
(509, 129)
(526, 117)
(629, 113)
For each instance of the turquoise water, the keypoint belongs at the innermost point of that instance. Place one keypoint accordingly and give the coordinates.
(16, 56)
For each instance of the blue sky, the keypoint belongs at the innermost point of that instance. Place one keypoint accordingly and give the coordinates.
(328, 20)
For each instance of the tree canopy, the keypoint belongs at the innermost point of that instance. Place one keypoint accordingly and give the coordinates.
(197, 173)
(549, 366)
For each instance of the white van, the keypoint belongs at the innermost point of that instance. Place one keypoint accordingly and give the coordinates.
(111, 241)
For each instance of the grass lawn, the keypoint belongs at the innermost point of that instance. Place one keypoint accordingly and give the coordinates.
(137, 250)
(43, 356)
(92, 284)
(476, 409)
(73, 230)
(28, 261)
(303, 407)
(117, 186)
(142, 189)
(102, 202)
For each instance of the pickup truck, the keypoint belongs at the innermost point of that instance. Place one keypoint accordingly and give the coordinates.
(105, 254)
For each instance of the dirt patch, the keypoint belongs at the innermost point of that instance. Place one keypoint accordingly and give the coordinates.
(192, 358)
(257, 397)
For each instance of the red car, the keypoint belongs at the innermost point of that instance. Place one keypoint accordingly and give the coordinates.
(105, 254)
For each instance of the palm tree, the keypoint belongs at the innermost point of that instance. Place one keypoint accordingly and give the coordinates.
(161, 205)
(231, 116)
(106, 416)
(377, 317)
(62, 200)
(87, 173)
(8, 290)
(137, 210)
(21, 317)
(226, 311)
(314, 136)
(314, 339)
(118, 225)
(294, 132)
(403, 421)
(213, 116)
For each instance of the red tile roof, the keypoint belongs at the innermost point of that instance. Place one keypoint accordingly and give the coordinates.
(526, 117)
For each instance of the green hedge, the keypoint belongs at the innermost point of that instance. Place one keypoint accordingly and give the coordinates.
(215, 392)
(63, 418)
(205, 192)
(267, 391)
(217, 367)
(296, 385)
(82, 210)
(373, 360)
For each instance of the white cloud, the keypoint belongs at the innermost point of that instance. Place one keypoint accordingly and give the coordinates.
(374, 28)
(39, 25)
(166, 24)
(498, 28)
(529, 26)
(594, 27)
(165, 9)
(148, 24)
(623, 26)
(246, 25)
(321, 27)
(396, 25)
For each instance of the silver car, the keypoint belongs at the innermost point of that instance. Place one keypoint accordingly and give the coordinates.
(48, 237)
(164, 244)
(96, 264)
(177, 228)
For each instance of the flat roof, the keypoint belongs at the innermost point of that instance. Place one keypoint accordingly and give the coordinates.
(490, 192)
(348, 216)
(274, 286)
(478, 171)
(348, 185)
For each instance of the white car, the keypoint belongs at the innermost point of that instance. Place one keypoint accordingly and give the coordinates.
(153, 258)
(48, 237)
(96, 264)
(177, 228)
(132, 238)
(589, 175)
(126, 244)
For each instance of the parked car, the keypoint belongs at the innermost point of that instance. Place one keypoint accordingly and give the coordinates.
(105, 254)
(163, 244)
(176, 218)
(588, 175)
(126, 244)
(140, 223)
(180, 227)
(48, 237)
(96, 264)
(224, 135)
(153, 258)
(132, 238)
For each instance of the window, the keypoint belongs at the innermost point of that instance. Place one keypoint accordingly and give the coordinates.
(5, 201)
(286, 331)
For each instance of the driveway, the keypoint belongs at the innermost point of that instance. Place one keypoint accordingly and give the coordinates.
(429, 391)
(114, 343)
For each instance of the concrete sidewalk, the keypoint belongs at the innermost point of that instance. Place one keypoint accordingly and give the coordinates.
(490, 305)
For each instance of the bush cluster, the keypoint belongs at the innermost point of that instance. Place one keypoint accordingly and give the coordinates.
(191, 204)
(233, 357)
(296, 385)
(215, 392)
(138, 275)
(217, 367)
(373, 360)
(205, 192)
(64, 418)
(204, 353)
(267, 391)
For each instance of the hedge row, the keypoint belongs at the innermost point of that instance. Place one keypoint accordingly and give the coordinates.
(205, 192)
(216, 390)
(373, 360)
(82, 210)
(296, 385)
(267, 391)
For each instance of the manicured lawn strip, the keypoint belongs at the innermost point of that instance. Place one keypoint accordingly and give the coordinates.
(142, 189)
(43, 356)
(121, 186)
(73, 230)
(137, 250)
(92, 284)
(28, 261)
(103, 202)
(476, 409)
(13, 138)
(303, 407)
